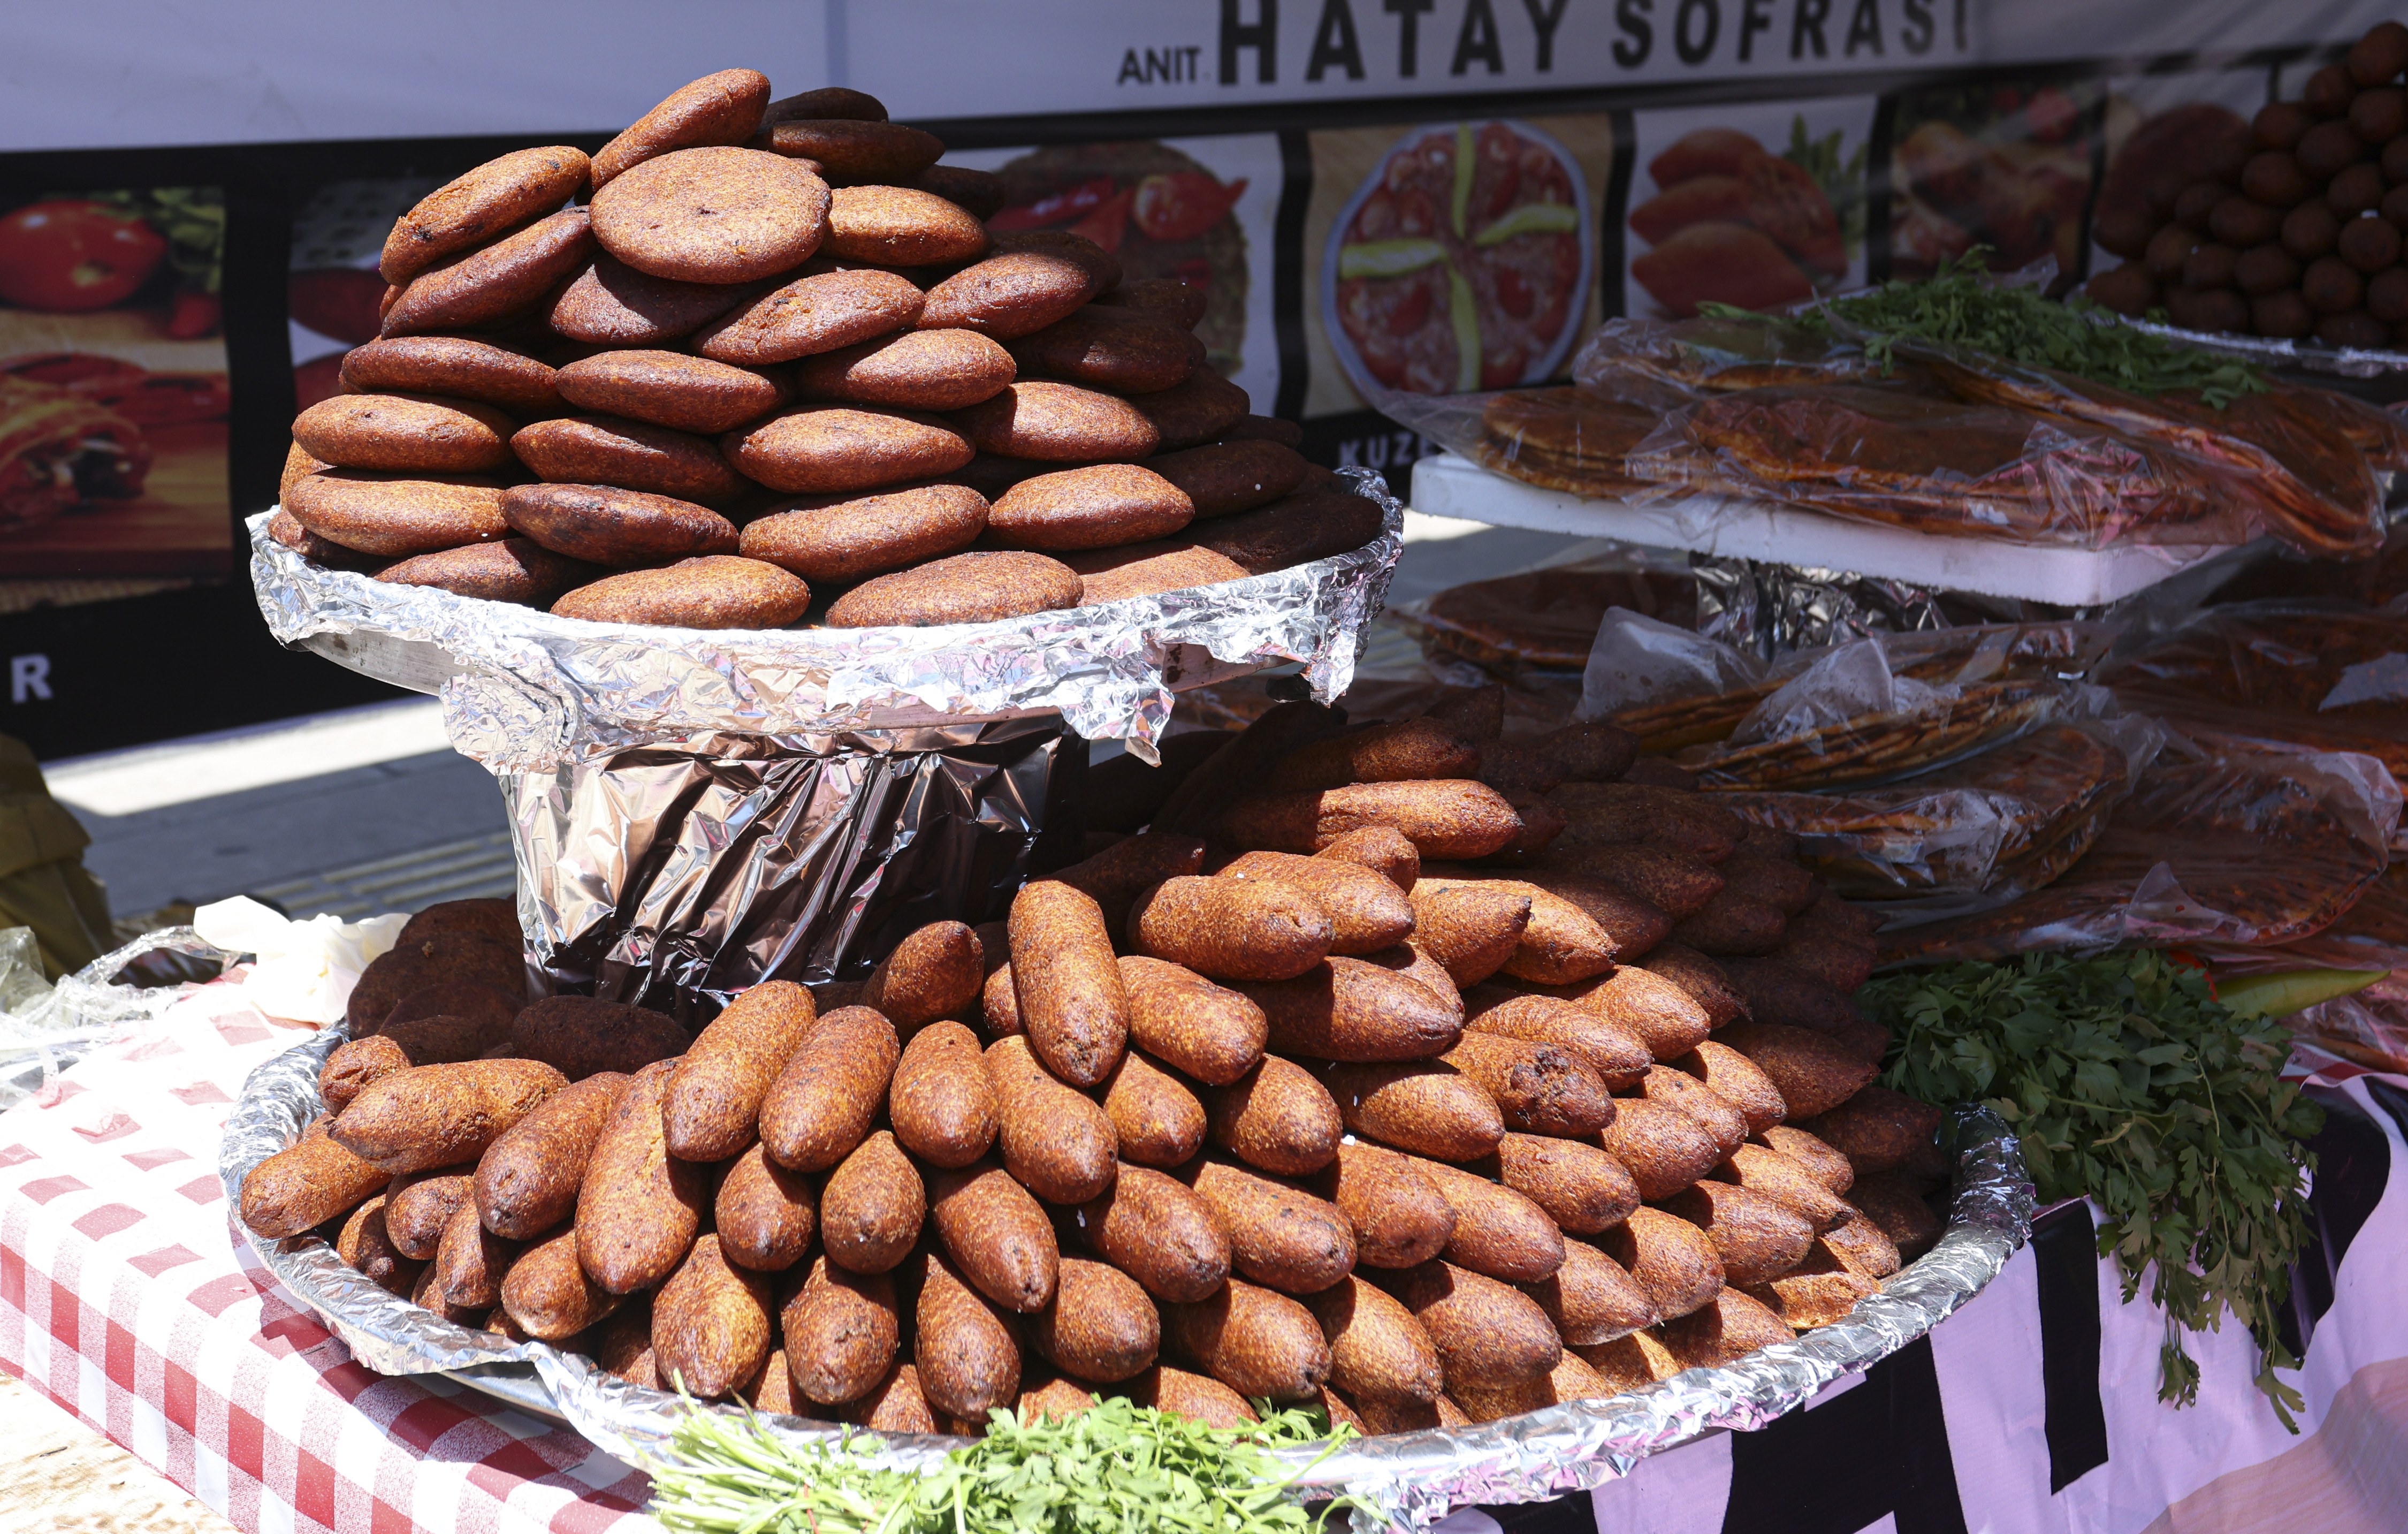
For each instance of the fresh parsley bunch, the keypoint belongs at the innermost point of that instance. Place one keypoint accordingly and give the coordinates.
(2129, 1083)
(1116, 1469)
(1958, 304)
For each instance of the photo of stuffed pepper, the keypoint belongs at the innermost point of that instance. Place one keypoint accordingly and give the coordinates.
(1719, 217)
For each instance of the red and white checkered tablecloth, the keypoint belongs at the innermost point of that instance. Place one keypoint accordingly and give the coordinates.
(128, 1299)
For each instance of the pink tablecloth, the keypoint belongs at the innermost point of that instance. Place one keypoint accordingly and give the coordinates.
(127, 1298)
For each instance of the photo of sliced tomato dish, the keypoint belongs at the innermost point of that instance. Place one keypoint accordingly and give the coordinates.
(1461, 264)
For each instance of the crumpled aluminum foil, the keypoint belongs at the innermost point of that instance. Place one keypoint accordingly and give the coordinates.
(1770, 609)
(2309, 357)
(674, 875)
(1410, 1480)
(523, 691)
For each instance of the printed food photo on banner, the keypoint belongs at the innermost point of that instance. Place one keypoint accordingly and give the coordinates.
(2230, 211)
(2165, 133)
(113, 393)
(1444, 258)
(2005, 166)
(334, 293)
(1197, 210)
(1758, 206)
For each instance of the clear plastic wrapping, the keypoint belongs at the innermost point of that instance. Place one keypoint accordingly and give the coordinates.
(2323, 673)
(2380, 581)
(1546, 620)
(2224, 846)
(2372, 934)
(46, 1028)
(1939, 439)
(1850, 719)
(1671, 686)
(2310, 459)
(2002, 821)
(1878, 707)
(1716, 355)
(1887, 452)
(2368, 1027)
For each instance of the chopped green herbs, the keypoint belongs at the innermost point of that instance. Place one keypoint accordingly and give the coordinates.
(1117, 1468)
(1960, 306)
(2128, 1082)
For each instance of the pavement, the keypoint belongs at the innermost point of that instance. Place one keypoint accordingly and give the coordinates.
(67, 1479)
(369, 810)
(359, 810)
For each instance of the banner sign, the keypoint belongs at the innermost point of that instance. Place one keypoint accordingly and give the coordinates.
(1430, 195)
(131, 75)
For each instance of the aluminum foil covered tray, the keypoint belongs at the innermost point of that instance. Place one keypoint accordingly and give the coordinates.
(524, 691)
(1412, 1479)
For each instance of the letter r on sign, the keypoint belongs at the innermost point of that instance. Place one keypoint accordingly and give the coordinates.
(29, 676)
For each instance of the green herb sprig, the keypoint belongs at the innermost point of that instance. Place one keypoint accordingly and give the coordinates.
(2126, 1081)
(1842, 178)
(1958, 304)
(1117, 1468)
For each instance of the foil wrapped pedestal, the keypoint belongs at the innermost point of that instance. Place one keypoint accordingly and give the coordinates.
(695, 810)
(675, 874)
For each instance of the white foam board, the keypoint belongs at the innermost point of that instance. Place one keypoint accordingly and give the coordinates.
(1450, 485)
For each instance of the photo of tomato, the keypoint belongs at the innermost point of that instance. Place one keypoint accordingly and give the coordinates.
(333, 294)
(343, 302)
(1462, 262)
(65, 257)
(1182, 204)
(1159, 211)
(113, 389)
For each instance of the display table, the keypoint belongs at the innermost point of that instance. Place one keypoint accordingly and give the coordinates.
(127, 1298)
